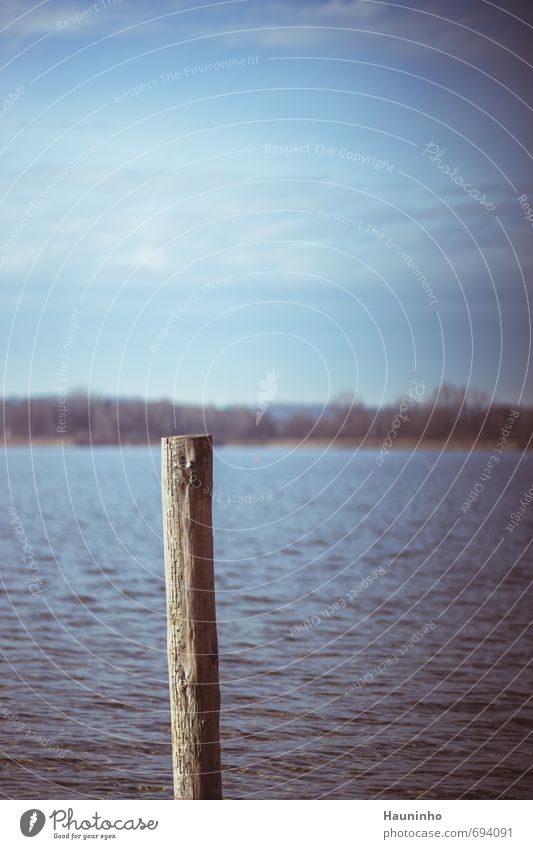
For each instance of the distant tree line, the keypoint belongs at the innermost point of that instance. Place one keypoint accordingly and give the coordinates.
(448, 413)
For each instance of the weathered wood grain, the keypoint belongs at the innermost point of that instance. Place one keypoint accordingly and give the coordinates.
(187, 489)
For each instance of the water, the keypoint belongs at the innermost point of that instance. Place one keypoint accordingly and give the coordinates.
(326, 565)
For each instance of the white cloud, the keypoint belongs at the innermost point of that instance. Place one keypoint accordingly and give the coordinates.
(280, 24)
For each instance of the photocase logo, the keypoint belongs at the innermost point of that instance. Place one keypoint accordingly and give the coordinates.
(267, 391)
(32, 822)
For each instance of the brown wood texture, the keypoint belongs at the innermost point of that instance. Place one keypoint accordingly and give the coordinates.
(187, 489)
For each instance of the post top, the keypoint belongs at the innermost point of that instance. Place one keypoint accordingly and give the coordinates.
(187, 436)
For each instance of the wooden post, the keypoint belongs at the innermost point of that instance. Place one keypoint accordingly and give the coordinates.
(187, 488)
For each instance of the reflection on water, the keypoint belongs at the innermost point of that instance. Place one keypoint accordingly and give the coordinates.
(328, 566)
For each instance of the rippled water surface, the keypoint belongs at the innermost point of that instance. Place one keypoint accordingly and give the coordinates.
(326, 565)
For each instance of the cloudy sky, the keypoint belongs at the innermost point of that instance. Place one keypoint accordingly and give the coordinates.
(193, 195)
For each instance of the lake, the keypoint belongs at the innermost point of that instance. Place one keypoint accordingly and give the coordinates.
(374, 632)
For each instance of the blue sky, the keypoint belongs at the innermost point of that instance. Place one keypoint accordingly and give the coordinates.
(265, 186)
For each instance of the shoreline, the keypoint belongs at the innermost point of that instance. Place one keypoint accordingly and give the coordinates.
(399, 444)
